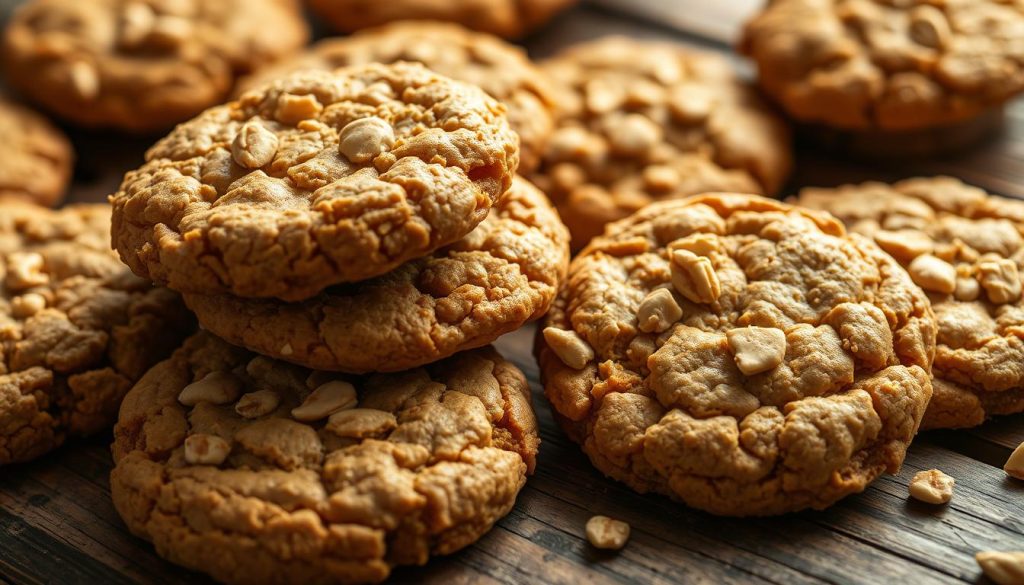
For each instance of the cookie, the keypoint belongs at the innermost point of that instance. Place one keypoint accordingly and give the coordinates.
(37, 156)
(257, 471)
(143, 65)
(741, 355)
(505, 18)
(503, 274)
(313, 180)
(499, 68)
(77, 328)
(642, 121)
(965, 248)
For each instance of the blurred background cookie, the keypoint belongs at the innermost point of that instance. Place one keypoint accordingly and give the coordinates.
(37, 158)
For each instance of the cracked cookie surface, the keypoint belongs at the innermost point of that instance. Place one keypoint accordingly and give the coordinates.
(501, 275)
(281, 474)
(77, 328)
(965, 248)
(785, 366)
(143, 65)
(37, 156)
(313, 180)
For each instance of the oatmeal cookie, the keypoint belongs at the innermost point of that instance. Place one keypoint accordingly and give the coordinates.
(143, 65)
(37, 156)
(315, 179)
(742, 355)
(966, 250)
(497, 67)
(503, 274)
(77, 328)
(641, 121)
(257, 471)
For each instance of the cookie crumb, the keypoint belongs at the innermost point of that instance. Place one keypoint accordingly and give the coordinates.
(1005, 568)
(607, 533)
(1014, 466)
(932, 487)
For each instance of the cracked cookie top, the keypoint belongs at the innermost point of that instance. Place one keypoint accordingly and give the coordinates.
(313, 180)
(497, 67)
(143, 65)
(881, 64)
(966, 250)
(742, 355)
(37, 156)
(77, 328)
(501, 275)
(254, 470)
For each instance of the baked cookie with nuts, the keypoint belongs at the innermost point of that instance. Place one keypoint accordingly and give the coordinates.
(744, 356)
(143, 65)
(643, 121)
(500, 276)
(965, 248)
(313, 180)
(257, 471)
(77, 328)
(37, 156)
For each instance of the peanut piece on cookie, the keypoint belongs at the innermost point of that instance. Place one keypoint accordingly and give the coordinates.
(1004, 568)
(292, 108)
(904, 245)
(658, 311)
(360, 423)
(1000, 279)
(932, 487)
(203, 449)
(569, 347)
(633, 135)
(326, 400)
(607, 533)
(757, 349)
(362, 140)
(967, 289)
(257, 404)
(694, 277)
(254, 146)
(933, 274)
(929, 27)
(27, 305)
(216, 388)
(25, 270)
(699, 244)
(85, 80)
(1014, 466)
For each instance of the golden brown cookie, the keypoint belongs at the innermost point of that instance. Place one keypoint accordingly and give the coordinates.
(642, 121)
(497, 67)
(143, 65)
(257, 471)
(966, 250)
(741, 355)
(37, 159)
(77, 328)
(501, 275)
(313, 180)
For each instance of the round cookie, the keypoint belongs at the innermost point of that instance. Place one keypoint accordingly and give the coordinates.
(501, 275)
(37, 156)
(966, 250)
(77, 328)
(505, 18)
(741, 355)
(501, 69)
(315, 179)
(143, 65)
(257, 471)
(642, 121)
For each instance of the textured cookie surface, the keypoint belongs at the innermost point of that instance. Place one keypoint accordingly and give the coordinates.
(315, 179)
(501, 275)
(871, 64)
(640, 122)
(37, 156)
(499, 68)
(143, 65)
(77, 328)
(966, 250)
(738, 354)
(256, 471)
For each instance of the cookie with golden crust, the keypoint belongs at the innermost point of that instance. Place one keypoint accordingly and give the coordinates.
(77, 328)
(738, 354)
(257, 471)
(143, 65)
(965, 248)
(313, 180)
(501, 275)
(499, 68)
(642, 121)
(37, 156)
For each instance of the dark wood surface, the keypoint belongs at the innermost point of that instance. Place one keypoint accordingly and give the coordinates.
(57, 524)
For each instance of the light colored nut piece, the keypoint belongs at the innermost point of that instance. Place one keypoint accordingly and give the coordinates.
(660, 178)
(28, 304)
(691, 103)
(967, 289)
(694, 277)
(569, 347)
(633, 135)
(607, 533)
(292, 109)
(25, 270)
(1000, 280)
(603, 96)
(136, 22)
(257, 404)
(1014, 466)
(365, 138)
(700, 244)
(359, 423)
(254, 146)
(217, 387)
(286, 349)
(933, 274)
(169, 32)
(904, 245)
(658, 311)
(929, 27)
(326, 400)
(931, 487)
(757, 349)
(85, 80)
(203, 449)
(1004, 568)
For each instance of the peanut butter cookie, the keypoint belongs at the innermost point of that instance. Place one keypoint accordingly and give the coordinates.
(143, 65)
(503, 274)
(315, 179)
(77, 328)
(257, 471)
(742, 355)
(966, 250)
(37, 159)
(641, 121)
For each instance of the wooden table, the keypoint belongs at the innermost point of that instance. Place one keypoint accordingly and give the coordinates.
(57, 524)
